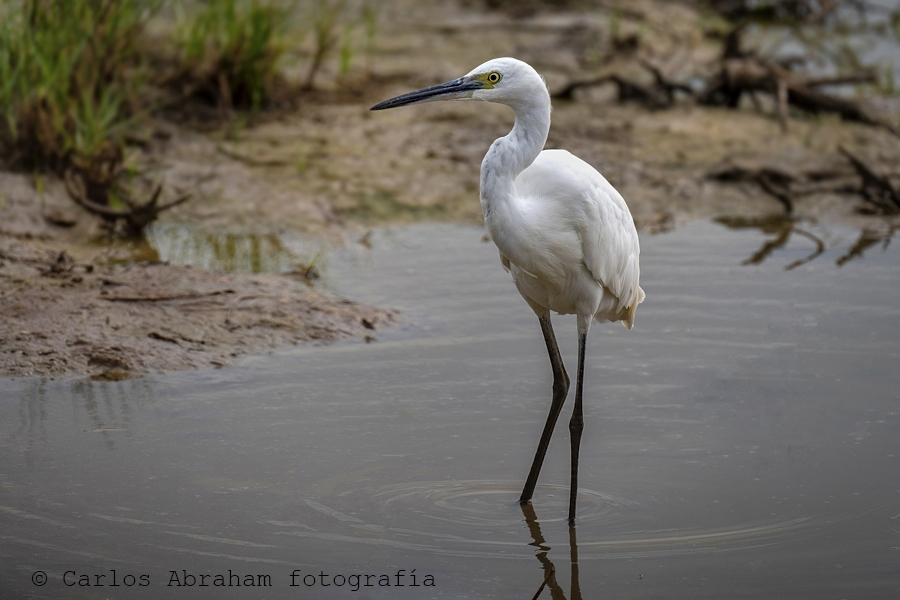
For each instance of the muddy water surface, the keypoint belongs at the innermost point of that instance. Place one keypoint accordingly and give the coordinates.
(742, 440)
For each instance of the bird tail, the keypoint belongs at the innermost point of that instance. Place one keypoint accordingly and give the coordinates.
(628, 318)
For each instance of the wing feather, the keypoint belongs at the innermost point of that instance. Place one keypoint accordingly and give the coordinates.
(599, 215)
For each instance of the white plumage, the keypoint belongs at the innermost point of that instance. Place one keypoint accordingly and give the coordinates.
(564, 233)
(581, 250)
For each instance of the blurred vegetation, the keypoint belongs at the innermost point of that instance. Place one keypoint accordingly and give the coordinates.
(76, 74)
(230, 48)
(338, 24)
(70, 77)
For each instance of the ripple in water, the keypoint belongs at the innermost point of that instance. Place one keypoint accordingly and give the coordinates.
(494, 502)
(482, 518)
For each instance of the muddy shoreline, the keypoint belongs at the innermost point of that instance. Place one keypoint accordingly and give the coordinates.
(63, 317)
(75, 304)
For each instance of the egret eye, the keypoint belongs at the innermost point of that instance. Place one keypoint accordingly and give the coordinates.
(494, 77)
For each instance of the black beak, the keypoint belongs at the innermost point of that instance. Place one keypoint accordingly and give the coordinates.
(458, 88)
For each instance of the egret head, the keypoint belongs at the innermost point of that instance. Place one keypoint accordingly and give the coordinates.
(504, 80)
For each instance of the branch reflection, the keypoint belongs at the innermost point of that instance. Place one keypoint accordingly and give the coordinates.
(867, 239)
(783, 227)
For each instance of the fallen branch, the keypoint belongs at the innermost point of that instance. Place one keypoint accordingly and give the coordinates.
(628, 91)
(660, 95)
(163, 338)
(876, 189)
(785, 185)
(775, 182)
(136, 218)
(668, 86)
(750, 74)
(837, 185)
(851, 79)
(778, 191)
(730, 171)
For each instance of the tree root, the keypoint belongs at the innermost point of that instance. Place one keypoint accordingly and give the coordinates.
(785, 186)
(135, 219)
(876, 189)
(754, 74)
(738, 72)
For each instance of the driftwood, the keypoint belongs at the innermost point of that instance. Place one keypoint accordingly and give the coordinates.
(786, 185)
(739, 72)
(744, 75)
(661, 94)
(628, 91)
(755, 74)
(778, 183)
(136, 218)
(876, 189)
(745, 72)
(668, 86)
(778, 191)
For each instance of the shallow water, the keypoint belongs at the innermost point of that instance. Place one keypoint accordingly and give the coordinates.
(742, 440)
(242, 251)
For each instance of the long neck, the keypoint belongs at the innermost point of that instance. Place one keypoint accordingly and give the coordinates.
(513, 153)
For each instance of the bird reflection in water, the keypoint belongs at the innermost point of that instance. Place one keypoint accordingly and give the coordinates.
(556, 591)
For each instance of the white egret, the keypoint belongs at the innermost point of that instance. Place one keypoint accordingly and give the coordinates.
(564, 233)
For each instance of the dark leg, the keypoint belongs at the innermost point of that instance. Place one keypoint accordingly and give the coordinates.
(560, 389)
(576, 425)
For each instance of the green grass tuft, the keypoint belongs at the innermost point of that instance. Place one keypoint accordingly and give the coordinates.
(231, 47)
(75, 77)
(69, 81)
